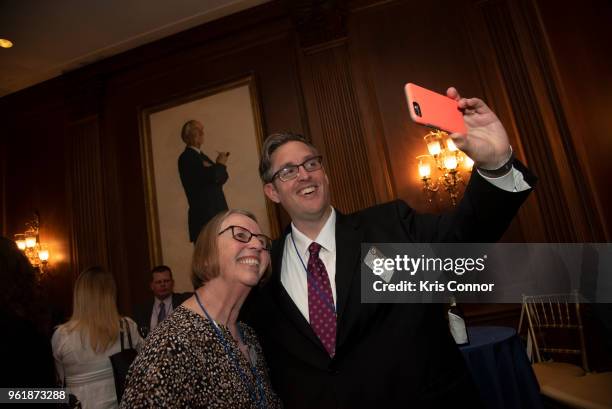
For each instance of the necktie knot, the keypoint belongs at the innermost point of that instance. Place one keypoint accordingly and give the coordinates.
(314, 249)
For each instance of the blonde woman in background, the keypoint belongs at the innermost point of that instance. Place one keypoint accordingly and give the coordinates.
(82, 345)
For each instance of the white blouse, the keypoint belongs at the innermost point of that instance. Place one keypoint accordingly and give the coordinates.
(89, 374)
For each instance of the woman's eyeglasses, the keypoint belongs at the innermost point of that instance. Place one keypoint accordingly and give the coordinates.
(243, 235)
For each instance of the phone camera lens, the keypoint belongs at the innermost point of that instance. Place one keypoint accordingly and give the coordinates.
(417, 108)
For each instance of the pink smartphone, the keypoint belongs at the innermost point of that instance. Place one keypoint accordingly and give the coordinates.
(435, 110)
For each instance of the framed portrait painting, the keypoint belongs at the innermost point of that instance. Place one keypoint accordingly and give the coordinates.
(232, 123)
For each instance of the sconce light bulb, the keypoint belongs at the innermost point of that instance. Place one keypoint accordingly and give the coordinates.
(451, 145)
(434, 148)
(450, 162)
(43, 255)
(424, 170)
(30, 242)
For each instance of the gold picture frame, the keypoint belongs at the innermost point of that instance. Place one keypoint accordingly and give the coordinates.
(232, 119)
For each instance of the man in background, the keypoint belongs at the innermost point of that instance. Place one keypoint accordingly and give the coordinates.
(202, 179)
(149, 315)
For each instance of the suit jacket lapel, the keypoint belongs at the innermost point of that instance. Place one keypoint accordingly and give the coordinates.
(283, 299)
(176, 301)
(348, 249)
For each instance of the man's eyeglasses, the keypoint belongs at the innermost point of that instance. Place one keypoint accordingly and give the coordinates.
(291, 171)
(243, 235)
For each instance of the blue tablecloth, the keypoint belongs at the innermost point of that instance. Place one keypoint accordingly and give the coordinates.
(500, 368)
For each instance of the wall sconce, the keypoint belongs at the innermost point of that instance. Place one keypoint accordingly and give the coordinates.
(448, 159)
(29, 242)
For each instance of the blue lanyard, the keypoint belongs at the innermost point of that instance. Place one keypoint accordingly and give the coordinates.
(260, 400)
(319, 291)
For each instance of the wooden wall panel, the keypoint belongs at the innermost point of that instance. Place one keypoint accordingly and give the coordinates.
(336, 126)
(3, 178)
(346, 94)
(578, 41)
(483, 47)
(510, 36)
(85, 192)
(32, 130)
(395, 42)
(529, 119)
(268, 53)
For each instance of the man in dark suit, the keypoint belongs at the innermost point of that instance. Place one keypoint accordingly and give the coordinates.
(202, 179)
(149, 315)
(326, 349)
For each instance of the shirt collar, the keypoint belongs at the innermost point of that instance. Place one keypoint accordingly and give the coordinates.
(167, 301)
(195, 149)
(326, 237)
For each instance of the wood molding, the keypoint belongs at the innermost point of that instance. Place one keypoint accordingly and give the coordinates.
(3, 150)
(510, 37)
(581, 200)
(372, 121)
(85, 194)
(531, 122)
(335, 124)
(319, 22)
(117, 224)
(332, 103)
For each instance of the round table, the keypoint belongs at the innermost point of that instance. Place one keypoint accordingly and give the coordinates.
(500, 368)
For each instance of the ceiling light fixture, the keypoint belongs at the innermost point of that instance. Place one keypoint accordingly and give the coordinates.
(4, 43)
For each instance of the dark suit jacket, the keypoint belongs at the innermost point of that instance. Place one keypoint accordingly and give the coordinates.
(142, 313)
(203, 187)
(387, 355)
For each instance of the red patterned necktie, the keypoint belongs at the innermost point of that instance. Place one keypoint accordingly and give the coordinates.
(321, 301)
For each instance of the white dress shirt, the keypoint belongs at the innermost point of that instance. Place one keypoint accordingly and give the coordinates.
(293, 272)
(156, 307)
(513, 181)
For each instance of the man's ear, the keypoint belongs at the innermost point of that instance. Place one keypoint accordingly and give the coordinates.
(271, 192)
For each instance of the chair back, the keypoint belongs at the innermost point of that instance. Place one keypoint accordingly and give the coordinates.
(551, 315)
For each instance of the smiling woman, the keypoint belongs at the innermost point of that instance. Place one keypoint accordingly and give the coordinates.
(203, 336)
(213, 244)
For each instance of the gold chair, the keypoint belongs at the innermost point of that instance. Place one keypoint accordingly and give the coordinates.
(551, 319)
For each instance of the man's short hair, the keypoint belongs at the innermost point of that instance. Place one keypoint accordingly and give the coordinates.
(161, 269)
(188, 130)
(272, 143)
(205, 265)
